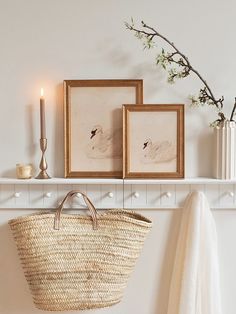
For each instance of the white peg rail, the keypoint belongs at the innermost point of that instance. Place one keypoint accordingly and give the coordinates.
(115, 193)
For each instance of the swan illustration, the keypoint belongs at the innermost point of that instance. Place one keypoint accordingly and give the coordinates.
(160, 151)
(105, 143)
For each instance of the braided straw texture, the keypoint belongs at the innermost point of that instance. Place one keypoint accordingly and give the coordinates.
(77, 267)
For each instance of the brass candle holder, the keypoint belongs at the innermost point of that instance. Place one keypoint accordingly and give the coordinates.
(43, 163)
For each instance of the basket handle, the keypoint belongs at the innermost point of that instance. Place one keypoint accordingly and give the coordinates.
(87, 202)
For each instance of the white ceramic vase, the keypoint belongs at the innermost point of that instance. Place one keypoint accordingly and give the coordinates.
(225, 143)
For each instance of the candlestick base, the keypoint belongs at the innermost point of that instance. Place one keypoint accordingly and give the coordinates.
(43, 175)
(43, 163)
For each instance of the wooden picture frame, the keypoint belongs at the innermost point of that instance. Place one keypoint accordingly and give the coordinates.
(93, 125)
(153, 139)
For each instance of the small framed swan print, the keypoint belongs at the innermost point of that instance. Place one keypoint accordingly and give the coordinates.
(153, 141)
(93, 125)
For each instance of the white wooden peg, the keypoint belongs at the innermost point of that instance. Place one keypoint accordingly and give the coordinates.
(110, 194)
(79, 195)
(48, 194)
(168, 194)
(136, 194)
(17, 194)
(230, 193)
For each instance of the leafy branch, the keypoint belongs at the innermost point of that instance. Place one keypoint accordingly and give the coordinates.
(169, 61)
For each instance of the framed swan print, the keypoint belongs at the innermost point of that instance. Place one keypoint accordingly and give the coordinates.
(153, 141)
(93, 125)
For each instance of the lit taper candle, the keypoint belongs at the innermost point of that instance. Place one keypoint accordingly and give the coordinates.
(42, 115)
(43, 141)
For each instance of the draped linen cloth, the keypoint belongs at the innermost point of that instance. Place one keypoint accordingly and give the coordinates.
(195, 287)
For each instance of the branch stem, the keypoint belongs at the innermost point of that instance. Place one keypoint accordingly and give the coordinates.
(206, 93)
(184, 57)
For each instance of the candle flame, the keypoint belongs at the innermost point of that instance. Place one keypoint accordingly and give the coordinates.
(42, 92)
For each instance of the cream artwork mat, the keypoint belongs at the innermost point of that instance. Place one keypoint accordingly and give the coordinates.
(153, 140)
(96, 127)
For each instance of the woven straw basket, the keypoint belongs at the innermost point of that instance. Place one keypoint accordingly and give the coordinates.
(75, 262)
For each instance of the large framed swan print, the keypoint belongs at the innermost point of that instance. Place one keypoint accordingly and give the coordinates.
(93, 125)
(153, 141)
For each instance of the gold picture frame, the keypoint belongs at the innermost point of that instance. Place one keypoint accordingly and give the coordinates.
(153, 139)
(93, 125)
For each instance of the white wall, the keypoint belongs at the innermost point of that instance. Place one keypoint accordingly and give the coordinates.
(43, 43)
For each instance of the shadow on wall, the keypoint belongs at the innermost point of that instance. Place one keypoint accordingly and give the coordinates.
(32, 147)
(59, 134)
(13, 286)
(121, 59)
(148, 287)
(206, 154)
(162, 298)
(9, 173)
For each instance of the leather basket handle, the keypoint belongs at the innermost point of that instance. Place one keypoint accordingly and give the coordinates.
(87, 201)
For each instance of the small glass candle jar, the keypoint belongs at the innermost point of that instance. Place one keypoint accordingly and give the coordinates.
(24, 171)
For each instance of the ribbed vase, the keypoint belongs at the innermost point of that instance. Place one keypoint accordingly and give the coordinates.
(225, 162)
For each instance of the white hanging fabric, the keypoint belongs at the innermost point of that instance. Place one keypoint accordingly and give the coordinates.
(195, 285)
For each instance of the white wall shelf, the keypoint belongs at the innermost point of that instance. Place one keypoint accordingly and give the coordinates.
(60, 181)
(199, 180)
(115, 193)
